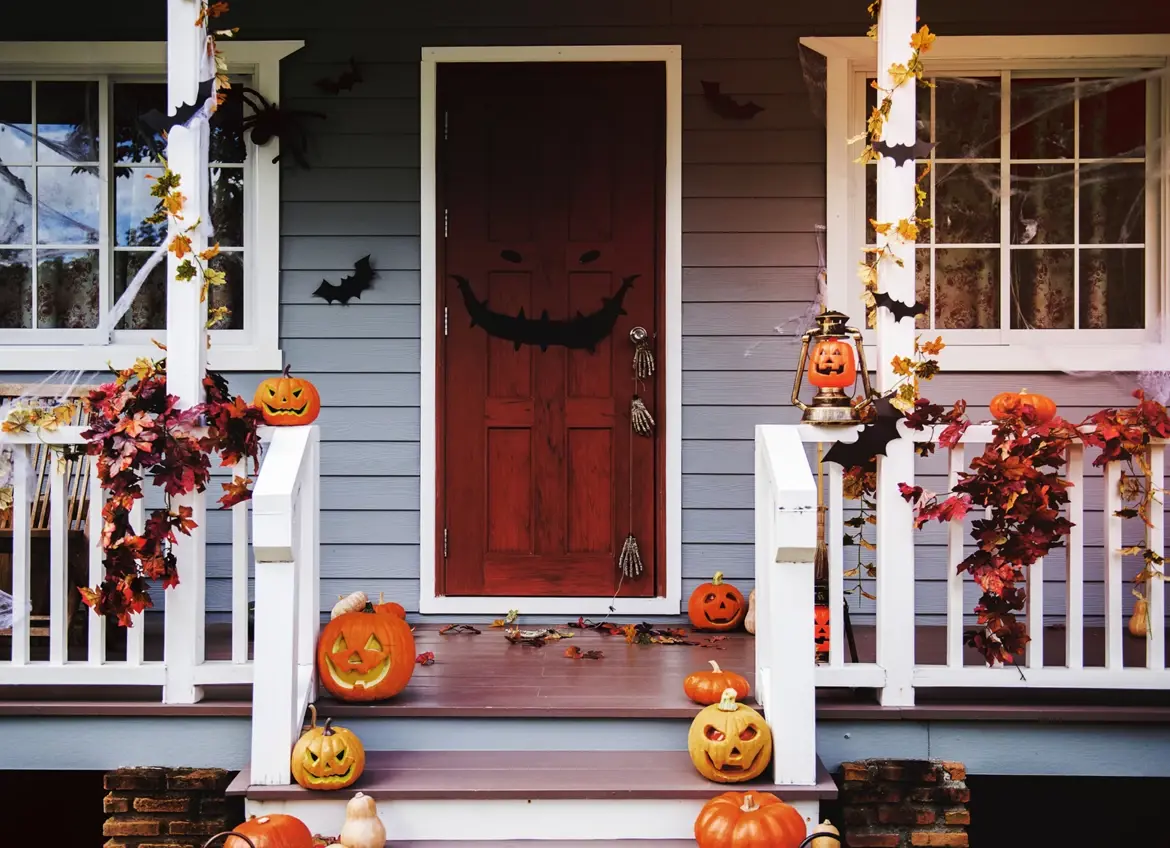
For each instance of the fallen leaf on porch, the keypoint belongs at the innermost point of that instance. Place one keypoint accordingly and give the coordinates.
(715, 642)
(536, 638)
(506, 620)
(458, 628)
(320, 841)
(575, 653)
(425, 658)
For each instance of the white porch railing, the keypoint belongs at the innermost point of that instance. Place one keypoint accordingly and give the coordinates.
(285, 511)
(898, 660)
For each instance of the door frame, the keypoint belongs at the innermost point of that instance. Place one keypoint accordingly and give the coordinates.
(430, 532)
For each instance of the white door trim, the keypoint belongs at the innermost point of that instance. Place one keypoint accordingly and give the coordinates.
(670, 604)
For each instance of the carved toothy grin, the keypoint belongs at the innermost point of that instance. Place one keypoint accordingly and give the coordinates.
(332, 779)
(830, 370)
(271, 410)
(732, 767)
(358, 680)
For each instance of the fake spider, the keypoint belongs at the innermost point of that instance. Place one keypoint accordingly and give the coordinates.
(269, 121)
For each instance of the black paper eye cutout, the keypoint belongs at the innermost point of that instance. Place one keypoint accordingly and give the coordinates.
(511, 256)
(589, 256)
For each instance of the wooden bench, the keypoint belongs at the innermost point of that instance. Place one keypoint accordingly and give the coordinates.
(77, 500)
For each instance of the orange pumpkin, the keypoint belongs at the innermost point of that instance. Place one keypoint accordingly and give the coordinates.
(832, 365)
(749, 820)
(706, 687)
(272, 831)
(821, 629)
(287, 401)
(364, 656)
(391, 608)
(716, 605)
(1008, 404)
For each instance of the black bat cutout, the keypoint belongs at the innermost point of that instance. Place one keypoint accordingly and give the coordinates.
(899, 309)
(582, 332)
(725, 107)
(157, 122)
(349, 287)
(871, 440)
(348, 79)
(903, 153)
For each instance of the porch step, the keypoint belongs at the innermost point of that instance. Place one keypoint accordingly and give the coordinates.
(491, 796)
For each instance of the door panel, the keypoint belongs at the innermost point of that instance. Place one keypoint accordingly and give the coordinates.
(551, 178)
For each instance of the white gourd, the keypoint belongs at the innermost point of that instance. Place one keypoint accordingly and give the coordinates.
(355, 602)
(749, 621)
(824, 842)
(363, 828)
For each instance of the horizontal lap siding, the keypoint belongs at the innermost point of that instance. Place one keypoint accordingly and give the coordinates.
(753, 193)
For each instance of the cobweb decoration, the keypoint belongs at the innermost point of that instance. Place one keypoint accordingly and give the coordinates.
(814, 69)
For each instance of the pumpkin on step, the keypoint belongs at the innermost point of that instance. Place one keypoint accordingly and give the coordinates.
(707, 687)
(366, 656)
(327, 757)
(362, 828)
(728, 742)
(272, 831)
(716, 605)
(751, 820)
(286, 400)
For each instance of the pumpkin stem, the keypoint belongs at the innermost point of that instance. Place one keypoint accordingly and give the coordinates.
(717, 580)
(715, 666)
(749, 804)
(287, 368)
(727, 701)
(313, 716)
(327, 727)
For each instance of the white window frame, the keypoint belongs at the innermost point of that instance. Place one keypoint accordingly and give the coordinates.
(257, 346)
(849, 58)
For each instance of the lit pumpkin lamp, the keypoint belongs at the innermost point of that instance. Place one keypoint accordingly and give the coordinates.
(833, 356)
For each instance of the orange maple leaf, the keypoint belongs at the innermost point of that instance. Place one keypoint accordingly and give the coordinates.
(180, 246)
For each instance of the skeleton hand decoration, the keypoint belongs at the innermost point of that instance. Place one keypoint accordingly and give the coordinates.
(630, 561)
(643, 355)
(640, 418)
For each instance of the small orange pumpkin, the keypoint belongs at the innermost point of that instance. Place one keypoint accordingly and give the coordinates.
(275, 830)
(366, 656)
(706, 687)
(287, 401)
(832, 365)
(1008, 404)
(749, 820)
(716, 605)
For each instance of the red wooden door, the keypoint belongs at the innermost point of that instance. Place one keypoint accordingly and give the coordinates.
(550, 175)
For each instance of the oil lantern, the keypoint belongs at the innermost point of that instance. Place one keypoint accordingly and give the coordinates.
(833, 355)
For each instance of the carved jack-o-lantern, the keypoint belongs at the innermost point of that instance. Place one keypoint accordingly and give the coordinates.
(364, 656)
(716, 605)
(286, 400)
(832, 365)
(821, 629)
(327, 757)
(728, 742)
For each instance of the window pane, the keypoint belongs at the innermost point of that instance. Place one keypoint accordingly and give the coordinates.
(1113, 118)
(15, 123)
(1042, 118)
(132, 204)
(67, 122)
(922, 286)
(148, 311)
(1113, 295)
(231, 293)
(227, 128)
(1042, 289)
(1113, 204)
(967, 123)
(966, 288)
(67, 289)
(1042, 204)
(967, 210)
(15, 289)
(227, 205)
(132, 141)
(67, 206)
(16, 207)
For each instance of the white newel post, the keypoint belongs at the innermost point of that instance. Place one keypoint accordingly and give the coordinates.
(186, 346)
(786, 532)
(897, 22)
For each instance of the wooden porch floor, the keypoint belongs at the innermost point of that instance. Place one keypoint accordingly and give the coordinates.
(480, 675)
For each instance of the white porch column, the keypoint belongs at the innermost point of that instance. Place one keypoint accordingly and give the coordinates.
(897, 22)
(186, 346)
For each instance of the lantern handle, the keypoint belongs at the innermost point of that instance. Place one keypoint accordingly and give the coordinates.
(800, 360)
(855, 334)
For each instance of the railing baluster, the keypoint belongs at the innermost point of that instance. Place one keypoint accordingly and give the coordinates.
(135, 637)
(240, 549)
(96, 624)
(58, 559)
(21, 548)
(834, 533)
(1034, 609)
(955, 555)
(1074, 582)
(1113, 568)
(1155, 541)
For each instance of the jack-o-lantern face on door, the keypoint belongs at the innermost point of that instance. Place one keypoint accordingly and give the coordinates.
(716, 605)
(832, 365)
(728, 742)
(365, 656)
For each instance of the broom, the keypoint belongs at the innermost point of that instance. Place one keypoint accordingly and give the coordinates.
(821, 557)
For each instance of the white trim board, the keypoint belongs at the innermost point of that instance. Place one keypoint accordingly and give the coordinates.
(670, 604)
